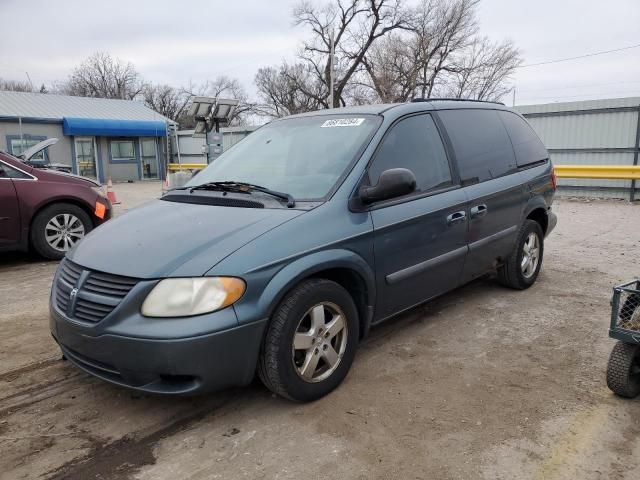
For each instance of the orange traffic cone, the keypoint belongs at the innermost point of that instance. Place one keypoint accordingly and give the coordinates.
(165, 184)
(111, 195)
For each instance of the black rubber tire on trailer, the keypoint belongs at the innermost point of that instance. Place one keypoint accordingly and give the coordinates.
(38, 236)
(276, 366)
(623, 370)
(510, 272)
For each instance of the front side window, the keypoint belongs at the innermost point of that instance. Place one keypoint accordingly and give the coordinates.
(123, 150)
(481, 144)
(305, 156)
(414, 143)
(19, 145)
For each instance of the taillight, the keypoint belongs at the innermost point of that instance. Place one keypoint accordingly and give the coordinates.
(554, 178)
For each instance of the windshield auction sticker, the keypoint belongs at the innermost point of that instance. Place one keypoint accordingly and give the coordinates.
(343, 122)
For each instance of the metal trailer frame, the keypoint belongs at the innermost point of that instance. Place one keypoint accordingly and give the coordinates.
(622, 294)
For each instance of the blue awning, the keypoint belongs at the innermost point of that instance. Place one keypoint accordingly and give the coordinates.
(113, 128)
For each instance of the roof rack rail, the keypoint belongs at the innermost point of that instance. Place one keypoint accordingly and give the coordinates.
(452, 100)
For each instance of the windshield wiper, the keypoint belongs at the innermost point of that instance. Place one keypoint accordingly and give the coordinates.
(242, 187)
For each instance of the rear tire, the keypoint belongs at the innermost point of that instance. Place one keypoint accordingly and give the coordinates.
(516, 272)
(70, 221)
(301, 359)
(623, 370)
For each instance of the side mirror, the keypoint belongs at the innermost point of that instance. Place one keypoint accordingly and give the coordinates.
(394, 182)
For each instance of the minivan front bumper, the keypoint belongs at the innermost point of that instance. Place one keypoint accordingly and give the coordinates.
(179, 366)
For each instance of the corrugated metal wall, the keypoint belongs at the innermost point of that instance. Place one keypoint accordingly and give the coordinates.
(594, 132)
(191, 148)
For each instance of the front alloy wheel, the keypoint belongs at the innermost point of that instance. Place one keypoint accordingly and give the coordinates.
(310, 342)
(319, 342)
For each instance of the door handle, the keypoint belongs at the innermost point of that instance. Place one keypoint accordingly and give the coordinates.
(478, 211)
(457, 217)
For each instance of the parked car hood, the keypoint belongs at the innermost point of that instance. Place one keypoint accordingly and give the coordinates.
(163, 239)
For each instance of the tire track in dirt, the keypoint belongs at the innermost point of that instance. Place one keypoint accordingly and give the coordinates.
(122, 458)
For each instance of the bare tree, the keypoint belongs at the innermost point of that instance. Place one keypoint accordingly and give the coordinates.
(392, 69)
(105, 77)
(357, 25)
(440, 55)
(442, 28)
(166, 100)
(289, 89)
(15, 86)
(483, 71)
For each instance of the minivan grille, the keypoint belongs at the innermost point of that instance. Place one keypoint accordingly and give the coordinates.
(87, 295)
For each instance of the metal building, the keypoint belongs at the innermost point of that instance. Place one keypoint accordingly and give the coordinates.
(593, 132)
(193, 149)
(99, 138)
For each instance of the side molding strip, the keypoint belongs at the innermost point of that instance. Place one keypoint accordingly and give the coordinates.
(492, 238)
(426, 265)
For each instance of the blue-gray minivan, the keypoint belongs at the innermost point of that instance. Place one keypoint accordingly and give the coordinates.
(279, 256)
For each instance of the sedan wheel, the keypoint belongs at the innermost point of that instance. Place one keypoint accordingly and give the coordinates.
(56, 229)
(63, 231)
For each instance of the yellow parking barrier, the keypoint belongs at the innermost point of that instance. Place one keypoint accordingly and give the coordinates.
(608, 172)
(174, 167)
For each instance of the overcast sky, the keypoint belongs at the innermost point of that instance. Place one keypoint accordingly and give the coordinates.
(178, 42)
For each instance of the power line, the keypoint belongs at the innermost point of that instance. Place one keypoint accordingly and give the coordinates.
(580, 56)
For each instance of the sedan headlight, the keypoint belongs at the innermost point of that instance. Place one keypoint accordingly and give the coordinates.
(182, 297)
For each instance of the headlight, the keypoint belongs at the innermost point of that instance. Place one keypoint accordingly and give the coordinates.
(182, 297)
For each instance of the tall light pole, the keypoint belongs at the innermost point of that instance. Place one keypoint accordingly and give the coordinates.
(332, 59)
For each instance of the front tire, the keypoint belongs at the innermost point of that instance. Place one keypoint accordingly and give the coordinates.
(311, 341)
(57, 228)
(520, 269)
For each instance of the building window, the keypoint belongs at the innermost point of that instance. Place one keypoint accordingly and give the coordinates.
(123, 150)
(18, 145)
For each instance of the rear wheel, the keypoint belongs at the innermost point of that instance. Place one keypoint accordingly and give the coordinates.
(623, 370)
(520, 269)
(57, 228)
(311, 341)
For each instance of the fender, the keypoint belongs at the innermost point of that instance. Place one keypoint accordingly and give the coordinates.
(307, 266)
(532, 204)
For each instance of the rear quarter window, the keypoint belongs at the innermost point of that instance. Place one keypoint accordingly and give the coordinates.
(480, 142)
(528, 147)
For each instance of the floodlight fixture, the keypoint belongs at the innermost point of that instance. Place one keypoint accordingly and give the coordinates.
(210, 112)
(201, 106)
(223, 109)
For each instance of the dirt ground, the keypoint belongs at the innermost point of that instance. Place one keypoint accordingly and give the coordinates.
(482, 383)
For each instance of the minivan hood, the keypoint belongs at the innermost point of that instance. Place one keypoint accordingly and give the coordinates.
(167, 239)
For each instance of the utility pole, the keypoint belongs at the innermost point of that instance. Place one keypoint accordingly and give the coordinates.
(332, 71)
(513, 100)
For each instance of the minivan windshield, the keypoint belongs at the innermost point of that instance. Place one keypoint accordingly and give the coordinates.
(304, 157)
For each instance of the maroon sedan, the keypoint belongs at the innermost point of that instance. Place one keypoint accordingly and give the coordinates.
(46, 209)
